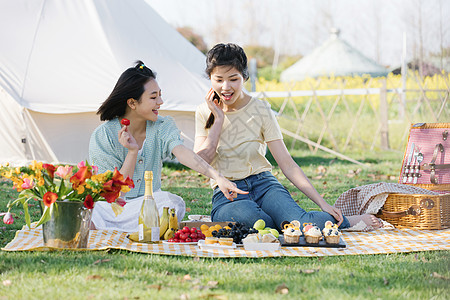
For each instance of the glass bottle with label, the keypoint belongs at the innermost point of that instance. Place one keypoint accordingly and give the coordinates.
(148, 217)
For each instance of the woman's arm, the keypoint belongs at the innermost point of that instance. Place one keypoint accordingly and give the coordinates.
(295, 174)
(127, 140)
(188, 158)
(205, 146)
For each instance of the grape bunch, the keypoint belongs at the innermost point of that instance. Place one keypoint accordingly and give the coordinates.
(237, 232)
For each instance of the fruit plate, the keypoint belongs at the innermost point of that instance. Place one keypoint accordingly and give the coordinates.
(202, 245)
(173, 243)
(321, 243)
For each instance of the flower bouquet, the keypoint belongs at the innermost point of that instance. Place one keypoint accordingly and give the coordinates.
(57, 185)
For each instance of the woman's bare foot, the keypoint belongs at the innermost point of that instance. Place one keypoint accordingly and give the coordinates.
(368, 219)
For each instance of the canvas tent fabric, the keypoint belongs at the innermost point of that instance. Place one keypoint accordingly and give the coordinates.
(59, 60)
(335, 57)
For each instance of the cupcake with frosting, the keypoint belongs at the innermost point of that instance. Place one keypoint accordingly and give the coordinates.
(312, 233)
(291, 232)
(331, 233)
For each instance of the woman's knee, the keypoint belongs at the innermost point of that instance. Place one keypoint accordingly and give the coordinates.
(246, 212)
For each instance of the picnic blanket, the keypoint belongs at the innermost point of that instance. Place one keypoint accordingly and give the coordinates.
(374, 242)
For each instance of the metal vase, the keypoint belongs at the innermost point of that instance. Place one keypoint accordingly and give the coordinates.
(69, 225)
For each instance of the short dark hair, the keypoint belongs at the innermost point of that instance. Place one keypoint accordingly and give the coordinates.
(130, 85)
(227, 55)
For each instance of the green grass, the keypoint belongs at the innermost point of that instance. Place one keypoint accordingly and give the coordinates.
(118, 274)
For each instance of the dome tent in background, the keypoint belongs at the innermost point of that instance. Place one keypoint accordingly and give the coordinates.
(335, 57)
(59, 61)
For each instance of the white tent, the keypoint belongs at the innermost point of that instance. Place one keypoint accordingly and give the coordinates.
(59, 60)
(334, 57)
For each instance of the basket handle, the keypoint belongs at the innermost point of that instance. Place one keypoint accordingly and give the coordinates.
(413, 210)
(392, 214)
(432, 166)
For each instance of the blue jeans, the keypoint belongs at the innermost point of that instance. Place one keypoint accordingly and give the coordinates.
(268, 200)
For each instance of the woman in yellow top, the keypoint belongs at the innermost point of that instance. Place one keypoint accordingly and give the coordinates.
(232, 132)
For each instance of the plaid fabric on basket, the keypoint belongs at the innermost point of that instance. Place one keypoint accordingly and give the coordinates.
(356, 201)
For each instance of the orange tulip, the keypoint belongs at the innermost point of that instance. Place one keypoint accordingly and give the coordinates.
(110, 196)
(79, 177)
(49, 198)
(50, 169)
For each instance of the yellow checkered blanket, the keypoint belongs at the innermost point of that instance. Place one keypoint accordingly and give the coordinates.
(375, 242)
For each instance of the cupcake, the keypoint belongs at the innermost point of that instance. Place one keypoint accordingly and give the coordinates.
(291, 232)
(312, 233)
(296, 223)
(307, 226)
(331, 233)
(211, 240)
(225, 241)
(291, 235)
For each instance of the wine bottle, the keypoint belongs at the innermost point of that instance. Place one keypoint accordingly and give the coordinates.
(148, 217)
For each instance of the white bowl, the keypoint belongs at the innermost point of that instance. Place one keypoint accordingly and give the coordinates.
(262, 246)
(204, 218)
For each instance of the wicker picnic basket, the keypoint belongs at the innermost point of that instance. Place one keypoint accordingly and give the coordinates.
(430, 141)
(417, 211)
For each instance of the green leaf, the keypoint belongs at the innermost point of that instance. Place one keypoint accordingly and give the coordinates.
(27, 214)
(46, 215)
(21, 198)
(62, 189)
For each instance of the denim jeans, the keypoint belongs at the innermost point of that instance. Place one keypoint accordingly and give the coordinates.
(268, 200)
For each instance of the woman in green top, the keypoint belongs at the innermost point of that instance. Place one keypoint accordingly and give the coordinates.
(142, 145)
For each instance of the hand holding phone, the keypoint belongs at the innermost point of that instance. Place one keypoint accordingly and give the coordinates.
(216, 97)
(210, 120)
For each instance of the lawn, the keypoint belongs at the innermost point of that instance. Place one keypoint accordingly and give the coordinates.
(125, 275)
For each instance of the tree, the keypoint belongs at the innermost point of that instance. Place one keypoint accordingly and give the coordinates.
(263, 55)
(194, 38)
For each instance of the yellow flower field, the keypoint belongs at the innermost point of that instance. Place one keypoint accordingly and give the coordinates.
(351, 122)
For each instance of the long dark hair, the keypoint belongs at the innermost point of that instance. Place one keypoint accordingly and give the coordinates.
(225, 55)
(130, 85)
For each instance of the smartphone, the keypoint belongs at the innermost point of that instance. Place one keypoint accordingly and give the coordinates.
(216, 97)
(210, 120)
